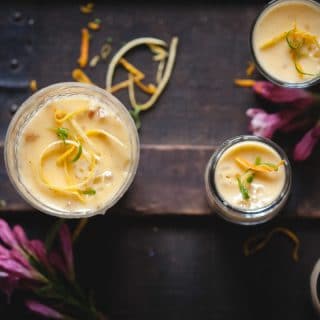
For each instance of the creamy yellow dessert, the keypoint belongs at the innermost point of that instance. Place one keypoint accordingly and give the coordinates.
(74, 154)
(249, 175)
(285, 41)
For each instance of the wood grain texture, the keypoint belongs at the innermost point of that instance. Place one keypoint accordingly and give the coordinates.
(200, 107)
(170, 180)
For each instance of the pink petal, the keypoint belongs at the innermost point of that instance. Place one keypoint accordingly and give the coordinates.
(266, 124)
(21, 237)
(19, 257)
(6, 235)
(276, 94)
(262, 123)
(305, 146)
(16, 269)
(39, 250)
(43, 310)
(4, 251)
(66, 246)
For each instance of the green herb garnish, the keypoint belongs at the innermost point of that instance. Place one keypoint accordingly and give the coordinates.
(97, 21)
(298, 68)
(62, 133)
(292, 41)
(250, 177)
(135, 114)
(257, 161)
(244, 191)
(89, 192)
(78, 155)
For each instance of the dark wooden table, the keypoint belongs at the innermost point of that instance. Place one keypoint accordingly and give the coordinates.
(184, 263)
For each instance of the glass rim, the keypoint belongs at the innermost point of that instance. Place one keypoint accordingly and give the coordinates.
(301, 85)
(249, 216)
(21, 187)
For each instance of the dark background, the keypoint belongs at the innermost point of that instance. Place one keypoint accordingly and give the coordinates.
(166, 266)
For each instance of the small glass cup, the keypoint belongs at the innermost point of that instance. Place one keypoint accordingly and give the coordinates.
(268, 76)
(235, 214)
(25, 113)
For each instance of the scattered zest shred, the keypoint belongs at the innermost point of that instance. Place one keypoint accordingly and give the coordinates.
(94, 26)
(94, 61)
(165, 57)
(274, 41)
(127, 47)
(105, 51)
(244, 83)
(250, 69)
(88, 8)
(137, 76)
(256, 243)
(84, 48)
(131, 68)
(80, 76)
(164, 81)
(33, 85)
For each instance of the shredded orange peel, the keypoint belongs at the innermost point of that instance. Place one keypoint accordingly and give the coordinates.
(94, 26)
(251, 68)
(138, 76)
(88, 8)
(245, 83)
(61, 116)
(80, 76)
(161, 86)
(33, 85)
(256, 243)
(263, 167)
(274, 41)
(84, 48)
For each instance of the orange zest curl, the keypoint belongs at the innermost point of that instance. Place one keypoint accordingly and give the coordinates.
(250, 69)
(80, 76)
(256, 243)
(84, 48)
(244, 83)
(137, 77)
(88, 8)
(94, 26)
(33, 85)
(263, 167)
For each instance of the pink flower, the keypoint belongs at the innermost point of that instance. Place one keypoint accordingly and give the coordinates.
(26, 264)
(296, 97)
(16, 269)
(39, 251)
(43, 310)
(305, 146)
(266, 124)
(15, 255)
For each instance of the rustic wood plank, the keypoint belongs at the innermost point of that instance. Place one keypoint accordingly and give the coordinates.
(170, 181)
